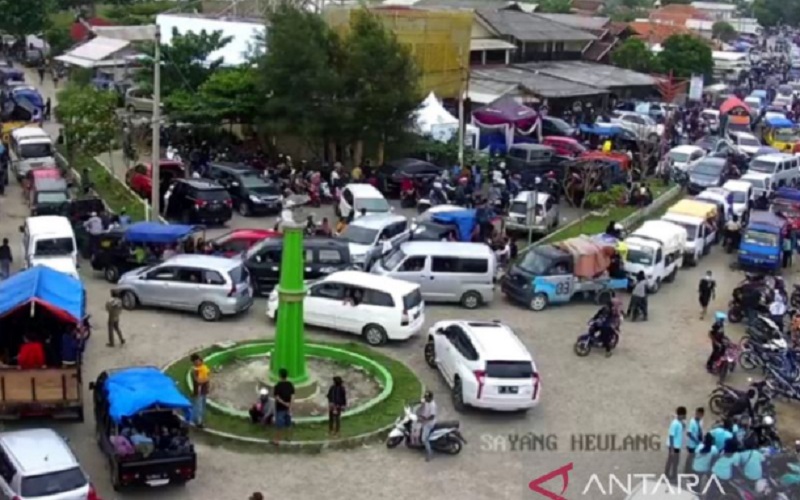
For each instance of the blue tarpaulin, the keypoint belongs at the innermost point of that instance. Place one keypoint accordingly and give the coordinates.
(31, 95)
(464, 220)
(154, 232)
(57, 292)
(779, 122)
(785, 193)
(601, 130)
(133, 390)
(762, 218)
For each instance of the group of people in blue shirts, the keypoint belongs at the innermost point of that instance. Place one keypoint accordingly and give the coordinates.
(724, 452)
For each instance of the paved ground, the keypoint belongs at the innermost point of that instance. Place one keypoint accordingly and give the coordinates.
(658, 366)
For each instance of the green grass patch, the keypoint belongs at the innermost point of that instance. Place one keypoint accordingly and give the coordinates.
(407, 387)
(108, 187)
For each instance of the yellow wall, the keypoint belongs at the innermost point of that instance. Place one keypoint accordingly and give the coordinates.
(439, 41)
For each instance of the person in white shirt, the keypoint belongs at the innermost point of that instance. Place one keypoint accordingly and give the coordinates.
(94, 224)
(777, 310)
(427, 418)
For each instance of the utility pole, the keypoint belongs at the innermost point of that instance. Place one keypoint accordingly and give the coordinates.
(155, 195)
(463, 88)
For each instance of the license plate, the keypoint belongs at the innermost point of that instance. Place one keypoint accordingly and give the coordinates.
(509, 390)
(157, 482)
(155, 477)
(521, 219)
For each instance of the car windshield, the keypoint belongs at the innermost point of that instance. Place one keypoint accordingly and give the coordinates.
(559, 124)
(258, 186)
(518, 208)
(239, 274)
(54, 246)
(762, 166)
(535, 262)
(760, 238)
(739, 197)
(747, 141)
(40, 150)
(707, 170)
(509, 369)
(412, 299)
(756, 183)
(393, 259)
(372, 204)
(640, 255)
(786, 135)
(54, 483)
(679, 157)
(691, 229)
(359, 235)
(213, 194)
(52, 197)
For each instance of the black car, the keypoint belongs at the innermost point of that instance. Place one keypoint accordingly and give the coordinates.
(198, 201)
(323, 256)
(251, 194)
(708, 142)
(556, 126)
(707, 172)
(395, 171)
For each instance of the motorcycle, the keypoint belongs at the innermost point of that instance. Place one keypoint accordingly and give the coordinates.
(727, 362)
(445, 436)
(724, 397)
(591, 339)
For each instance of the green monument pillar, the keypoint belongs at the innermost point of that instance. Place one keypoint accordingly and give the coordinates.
(290, 347)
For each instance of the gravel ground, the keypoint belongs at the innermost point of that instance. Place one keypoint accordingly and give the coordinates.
(657, 366)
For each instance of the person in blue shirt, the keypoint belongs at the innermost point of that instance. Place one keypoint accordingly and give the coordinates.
(750, 461)
(694, 438)
(124, 218)
(726, 463)
(722, 434)
(675, 443)
(703, 457)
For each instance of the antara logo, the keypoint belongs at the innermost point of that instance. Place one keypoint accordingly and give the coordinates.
(563, 472)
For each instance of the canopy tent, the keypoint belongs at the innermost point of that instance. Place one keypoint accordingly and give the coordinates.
(732, 103)
(464, 220)
(154, 232)
(59, 293)
(433, 120)
(779, 122)
(506, 113)
(132, 390)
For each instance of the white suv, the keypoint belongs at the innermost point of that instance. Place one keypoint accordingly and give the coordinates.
(38, 463)
(485, 365)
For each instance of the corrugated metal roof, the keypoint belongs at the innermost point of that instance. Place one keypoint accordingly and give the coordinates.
(490, 44)
(531, 27)
(97, 49)
(536, 83)
(130, 33)
(580, 22)
(600, 76)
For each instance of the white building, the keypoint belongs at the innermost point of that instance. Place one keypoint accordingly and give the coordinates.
(716, 10)
(245, 34)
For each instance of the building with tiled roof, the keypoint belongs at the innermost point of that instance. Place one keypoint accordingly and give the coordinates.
(676, 14)
(654, 33)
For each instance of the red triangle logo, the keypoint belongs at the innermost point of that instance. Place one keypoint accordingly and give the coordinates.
(562, 472)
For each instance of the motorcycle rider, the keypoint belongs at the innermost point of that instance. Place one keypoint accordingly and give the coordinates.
(733, 233)
(437, 195)
(426, 413)
(718, 341)
(603, 324)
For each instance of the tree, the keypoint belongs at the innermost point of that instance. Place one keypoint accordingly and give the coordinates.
(380, 80)
(89, 118)
(723, 31)
(772, 12)
(231, 95)
(20, 18)
(554, 7)
(633, 54)
(299, 75)
(684, 56)
(186, 62)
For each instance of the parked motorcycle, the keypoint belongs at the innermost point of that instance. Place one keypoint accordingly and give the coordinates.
(445, 436)
(727, 362)
(591, 339)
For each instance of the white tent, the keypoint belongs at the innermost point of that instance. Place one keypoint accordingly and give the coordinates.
(435, 121)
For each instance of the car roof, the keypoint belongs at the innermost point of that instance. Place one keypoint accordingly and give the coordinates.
(496, 341)
(446, 248)
(712, 160)
(363, 190)
(29, 132)
(761, 176)
(532, 147)
(526, 195)
(248, 233)
(37, 451)
(202, 184)
(373, 281)
(680, 218)
(776, 157)
(736, 133)
(233, 167)
(737, 185)
(377, 221)
(313, 242)
(205, 261)
(49, 183)
(686, 148)
(48, 224)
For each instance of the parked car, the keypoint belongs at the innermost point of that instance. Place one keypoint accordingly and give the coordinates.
(323, 256)
(197, 201)
(376, 307)
(557, 127)
(360, 197)
(683, 156)
(485, 365)
(211, 286)
(38, 463)
(372, 236)
(140, 177)
(532, 161)
(240, 240)
(706, 172)
(251, 194)
(564, 146)
(138, 100)
(645, 128)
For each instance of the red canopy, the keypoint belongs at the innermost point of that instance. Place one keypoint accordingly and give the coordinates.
(731, 103)
(78, 32)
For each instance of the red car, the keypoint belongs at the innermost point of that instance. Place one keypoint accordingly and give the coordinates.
(140, 177)
(239, 240)
(564, 146)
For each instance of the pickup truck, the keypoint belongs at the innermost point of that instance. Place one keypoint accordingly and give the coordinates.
(169, 456)
(140, 177)
(535, 160)
(44, 392)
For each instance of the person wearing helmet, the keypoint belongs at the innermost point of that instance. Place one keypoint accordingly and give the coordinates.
(426, 413)
(718, 340)
(263, 410)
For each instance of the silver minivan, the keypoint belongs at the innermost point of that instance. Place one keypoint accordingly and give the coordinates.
(210, 286)
(372, 236)
(445, 271)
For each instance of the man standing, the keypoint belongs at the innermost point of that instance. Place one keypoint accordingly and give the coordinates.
(638, 302)
(694, 438)
(707, 290)
(284, 392)
(5, 260)
(201, 376)
(787, 248)
(675, 441)
(427, 417)
(114, 309)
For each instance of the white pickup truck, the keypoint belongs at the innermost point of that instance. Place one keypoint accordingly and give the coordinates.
(656, 249)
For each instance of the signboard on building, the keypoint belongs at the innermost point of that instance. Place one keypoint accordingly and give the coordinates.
(696, 88)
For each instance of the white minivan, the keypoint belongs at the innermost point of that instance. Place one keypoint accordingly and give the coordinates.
(699, 236)
(361, 199)
(783, 168)
(742, 192)
(378, 308)
(31, 148)
(48, 240)
(656, 249)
